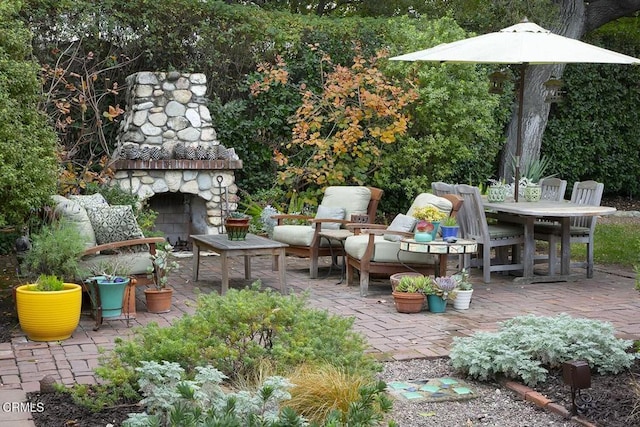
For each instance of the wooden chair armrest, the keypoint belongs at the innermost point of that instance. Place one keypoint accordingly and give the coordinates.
(382, 232)
(151, 241)
(356, 227)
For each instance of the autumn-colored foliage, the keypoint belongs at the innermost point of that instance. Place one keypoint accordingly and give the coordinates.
(338, 132)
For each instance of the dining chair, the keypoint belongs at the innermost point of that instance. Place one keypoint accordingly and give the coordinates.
(499, 236)
(440, 188)
(553, 189)
(582, 228)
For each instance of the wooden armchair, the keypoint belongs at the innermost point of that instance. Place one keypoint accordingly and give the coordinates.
(111, 235)
(372, 251)
(338, 204)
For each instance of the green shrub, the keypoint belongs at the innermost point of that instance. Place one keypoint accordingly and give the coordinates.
(526, 347)
(236, 333)
(56, 250)
(48, 283)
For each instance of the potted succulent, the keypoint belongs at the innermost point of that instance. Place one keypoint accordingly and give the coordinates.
(497, 191)
(49, 309)
(442, 290)
(159, 297)
(237, 225)
(449, 228)
(464, 290)
(533, 171)
(409, 293)
(429, 218)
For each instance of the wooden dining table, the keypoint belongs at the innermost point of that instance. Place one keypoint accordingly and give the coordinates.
(527, 213)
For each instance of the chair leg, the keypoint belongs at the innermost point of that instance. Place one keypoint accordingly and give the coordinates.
(364, 283)
(313, 267)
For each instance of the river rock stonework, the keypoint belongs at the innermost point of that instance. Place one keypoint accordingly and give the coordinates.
(167, 144)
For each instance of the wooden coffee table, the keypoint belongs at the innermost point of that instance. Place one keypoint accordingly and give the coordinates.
(252, 245)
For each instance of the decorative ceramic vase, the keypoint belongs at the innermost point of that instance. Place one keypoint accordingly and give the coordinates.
(395, 278)
(158, 300)
(532, 193)
(49, 315)
(463, 299)
(436, 303)
(422, 236)
(408, 302)
(497, 194)
(449, 231)
(434, 232)
(237, 228)
(112, 296)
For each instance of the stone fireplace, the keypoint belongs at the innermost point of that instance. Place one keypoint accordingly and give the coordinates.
(169, 156)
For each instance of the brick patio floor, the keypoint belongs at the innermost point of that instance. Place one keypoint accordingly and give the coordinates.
(609, 296)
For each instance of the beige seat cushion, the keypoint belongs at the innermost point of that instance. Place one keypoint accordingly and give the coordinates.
(133, 262)
(384, 251)
(424, 199)
(354, 199)
(297, 235)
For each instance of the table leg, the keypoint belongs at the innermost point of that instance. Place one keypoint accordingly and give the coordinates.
(529, 248)
(282, 270)
(442, 265)
(565, 246)
(225, 273)
(196, 261)
(247, 267)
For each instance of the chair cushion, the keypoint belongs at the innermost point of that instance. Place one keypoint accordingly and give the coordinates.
(354, 199)
(503, 230)
(329, 212)
(135, 262)
(114, 223)
(401, 222)
(90, 200)
(297, 235)
(69, 210)
(425, 199)
(551, 228)
(384, 251)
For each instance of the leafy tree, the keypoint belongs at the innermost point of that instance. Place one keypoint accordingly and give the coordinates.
(27, 144)
(338, 134)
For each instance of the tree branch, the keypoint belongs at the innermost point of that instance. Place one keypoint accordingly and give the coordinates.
(599, 12)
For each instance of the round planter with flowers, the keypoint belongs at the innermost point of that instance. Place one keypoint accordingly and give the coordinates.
(429, 218)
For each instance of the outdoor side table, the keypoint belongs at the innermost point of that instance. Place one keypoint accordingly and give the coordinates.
(441, 248)
(339, 235)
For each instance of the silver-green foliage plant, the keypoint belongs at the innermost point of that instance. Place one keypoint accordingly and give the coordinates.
(172, 399)
(527, 347)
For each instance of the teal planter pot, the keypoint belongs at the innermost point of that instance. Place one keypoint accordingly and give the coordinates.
(111, 294)
(436, 304)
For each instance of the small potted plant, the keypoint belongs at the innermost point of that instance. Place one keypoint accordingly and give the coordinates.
(110, 278)
(497, 191)
(409, 294)
(442, 290)
(464, 290)
(449, 228)
(237, 225)
(429, 218)
(159, 297)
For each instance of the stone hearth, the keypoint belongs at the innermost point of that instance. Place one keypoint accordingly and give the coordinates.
(169, 156)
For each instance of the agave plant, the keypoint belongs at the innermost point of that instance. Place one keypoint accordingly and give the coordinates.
(444, 287)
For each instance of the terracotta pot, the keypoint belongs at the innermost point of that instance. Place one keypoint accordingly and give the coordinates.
(408, 302)
(158, 301)
(395, 278)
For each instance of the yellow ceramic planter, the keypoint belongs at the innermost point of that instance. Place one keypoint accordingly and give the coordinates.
(49, 316)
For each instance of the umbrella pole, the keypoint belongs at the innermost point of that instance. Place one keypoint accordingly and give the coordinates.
(521, 68)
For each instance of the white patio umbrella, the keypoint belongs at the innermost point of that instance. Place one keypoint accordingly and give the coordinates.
(525, 44)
